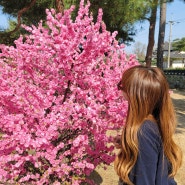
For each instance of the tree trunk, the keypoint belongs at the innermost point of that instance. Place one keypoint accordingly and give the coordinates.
(148, 58)
(162, 25)
(59, 4)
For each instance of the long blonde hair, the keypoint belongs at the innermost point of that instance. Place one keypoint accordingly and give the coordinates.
(148, 94)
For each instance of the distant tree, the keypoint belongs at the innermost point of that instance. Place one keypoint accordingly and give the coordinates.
(179, 44)
(118, 16)
(140, 50)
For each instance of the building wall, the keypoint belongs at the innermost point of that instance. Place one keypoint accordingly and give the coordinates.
(177, 65)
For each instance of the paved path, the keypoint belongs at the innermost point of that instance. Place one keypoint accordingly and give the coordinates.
(178, 98)
(109, 177)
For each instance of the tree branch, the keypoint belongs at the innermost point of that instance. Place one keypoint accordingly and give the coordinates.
(59, 4)
(19, 15)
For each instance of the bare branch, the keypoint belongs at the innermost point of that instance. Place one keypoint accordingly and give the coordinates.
(59, 4)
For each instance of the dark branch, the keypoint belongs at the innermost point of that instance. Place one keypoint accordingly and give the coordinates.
(19, 15)
(59, 4)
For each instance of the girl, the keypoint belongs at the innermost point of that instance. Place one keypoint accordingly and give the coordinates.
(148, 154)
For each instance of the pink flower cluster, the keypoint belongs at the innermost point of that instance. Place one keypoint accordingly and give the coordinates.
(58, 98)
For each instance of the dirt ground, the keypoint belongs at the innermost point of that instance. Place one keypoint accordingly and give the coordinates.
(109, 177)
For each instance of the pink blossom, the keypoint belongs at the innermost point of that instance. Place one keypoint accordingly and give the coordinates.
(79, 139)
(59, 97)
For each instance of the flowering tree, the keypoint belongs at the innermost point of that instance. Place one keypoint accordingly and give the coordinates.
(58, 97)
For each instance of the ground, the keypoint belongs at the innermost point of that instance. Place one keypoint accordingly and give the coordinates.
(109, 177)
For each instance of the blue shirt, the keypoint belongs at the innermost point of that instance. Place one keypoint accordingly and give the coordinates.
(152, 167)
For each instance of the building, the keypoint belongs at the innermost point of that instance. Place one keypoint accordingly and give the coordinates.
(177, 59)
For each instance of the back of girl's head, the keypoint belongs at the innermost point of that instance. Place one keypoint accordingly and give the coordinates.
(148, 94)
(146, 88)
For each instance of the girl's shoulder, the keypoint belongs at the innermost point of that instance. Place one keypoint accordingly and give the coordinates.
(150, 126)
(149, 134)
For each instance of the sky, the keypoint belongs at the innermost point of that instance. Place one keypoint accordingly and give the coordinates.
(3, 20)
(175, 12)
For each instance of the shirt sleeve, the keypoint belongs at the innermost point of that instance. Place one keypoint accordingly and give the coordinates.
(144, 171)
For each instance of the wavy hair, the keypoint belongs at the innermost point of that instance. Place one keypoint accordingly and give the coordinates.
(148, 96)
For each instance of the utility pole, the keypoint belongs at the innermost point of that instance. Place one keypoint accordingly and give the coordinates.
(169, 42)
